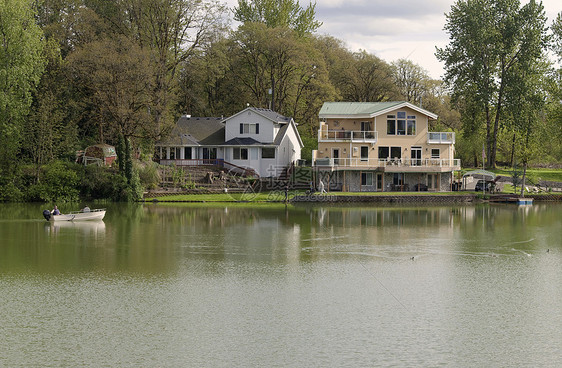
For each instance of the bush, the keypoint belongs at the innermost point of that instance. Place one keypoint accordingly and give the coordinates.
(58, 182)
(148, 174)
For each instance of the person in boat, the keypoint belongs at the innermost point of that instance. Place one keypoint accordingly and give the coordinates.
(55, 211)
(86, 209)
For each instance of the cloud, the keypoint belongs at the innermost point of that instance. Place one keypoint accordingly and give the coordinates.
(393, 29)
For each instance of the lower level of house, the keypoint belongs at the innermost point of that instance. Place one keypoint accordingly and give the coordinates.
(380, 181)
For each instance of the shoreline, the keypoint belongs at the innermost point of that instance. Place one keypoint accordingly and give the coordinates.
(331, 197)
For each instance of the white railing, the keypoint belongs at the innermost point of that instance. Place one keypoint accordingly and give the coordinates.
(347, 135)
(393, 163)
(441, 137)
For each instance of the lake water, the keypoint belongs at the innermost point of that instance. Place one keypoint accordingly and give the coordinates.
(258, 286)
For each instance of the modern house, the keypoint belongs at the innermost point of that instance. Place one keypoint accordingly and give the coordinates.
(383, 146)
(256, 140)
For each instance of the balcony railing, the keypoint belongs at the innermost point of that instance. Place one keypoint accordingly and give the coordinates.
(390, 163)
(346, 136)
(441, 137)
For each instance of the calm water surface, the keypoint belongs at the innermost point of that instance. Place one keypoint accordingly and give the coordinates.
(196, 286)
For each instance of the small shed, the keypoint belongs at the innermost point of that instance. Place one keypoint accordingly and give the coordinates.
(101, 154)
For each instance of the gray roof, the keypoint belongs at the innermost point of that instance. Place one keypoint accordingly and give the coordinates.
(272, 115)
(281, 134)
(242, 142)
(196, 131)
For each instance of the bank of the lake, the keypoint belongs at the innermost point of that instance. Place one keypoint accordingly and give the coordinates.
(341, 197)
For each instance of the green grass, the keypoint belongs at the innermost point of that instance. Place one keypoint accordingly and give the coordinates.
(228, 197)
(534, 175)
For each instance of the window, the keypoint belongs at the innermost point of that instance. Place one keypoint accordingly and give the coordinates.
(209, 153)
(395, 152)
(401, 124)
(379, 181)
(240, 153)
(268, 152)
(411, 125)
(187, 153)
(367, 178)
(391, 124)
(172, 153)
(249, 128)
(384, 153)
(435, 153)
(364, 153)
(398, 179)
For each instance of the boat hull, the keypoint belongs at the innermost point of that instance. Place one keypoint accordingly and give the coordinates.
(79, 216)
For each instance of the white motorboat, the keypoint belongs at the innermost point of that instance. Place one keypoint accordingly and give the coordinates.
(82, 215)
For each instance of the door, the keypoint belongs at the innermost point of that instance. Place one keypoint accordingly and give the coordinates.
(416, 156)
(366, 130)
(336, 156)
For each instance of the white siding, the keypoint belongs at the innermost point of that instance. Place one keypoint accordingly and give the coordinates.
(266, 129)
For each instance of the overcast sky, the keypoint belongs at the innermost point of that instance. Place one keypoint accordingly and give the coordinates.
(394, 29)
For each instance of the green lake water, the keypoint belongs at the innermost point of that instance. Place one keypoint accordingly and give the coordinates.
(177, 285)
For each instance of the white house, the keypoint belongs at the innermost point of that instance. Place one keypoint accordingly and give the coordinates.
(259, 140)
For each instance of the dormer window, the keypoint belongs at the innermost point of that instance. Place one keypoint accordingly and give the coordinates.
(401, 124)
(249, 128)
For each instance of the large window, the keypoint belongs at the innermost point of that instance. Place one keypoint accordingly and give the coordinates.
(401, 124)
(384, 153)
(187, 153)
(395, 152)
(249, 128)
(240, 153)
(268, 152)
(367, 178)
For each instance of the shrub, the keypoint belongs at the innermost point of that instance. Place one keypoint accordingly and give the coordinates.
(58, 182)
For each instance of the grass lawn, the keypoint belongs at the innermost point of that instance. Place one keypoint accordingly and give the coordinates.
(534, 175)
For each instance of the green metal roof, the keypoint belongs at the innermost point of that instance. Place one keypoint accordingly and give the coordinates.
(366, 108)
(355, 108)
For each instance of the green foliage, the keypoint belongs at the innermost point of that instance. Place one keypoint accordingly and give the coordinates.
(58, 182)
(21, 66)
(148, 174)
(278, 13)
(9, 191)
(493, 44)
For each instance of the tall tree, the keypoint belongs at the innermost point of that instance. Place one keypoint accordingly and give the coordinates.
(411, 79)
(21, 66)
(118, 74)
(278, 13)
(491, 40)
(366, 79)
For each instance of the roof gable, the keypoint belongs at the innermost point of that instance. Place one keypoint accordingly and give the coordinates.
(265, 113)
(367, 109)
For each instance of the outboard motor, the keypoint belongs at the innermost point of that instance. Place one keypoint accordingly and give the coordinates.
(47, 215)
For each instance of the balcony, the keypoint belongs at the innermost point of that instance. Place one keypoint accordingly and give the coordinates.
(440, 138)
(347, 136)
(391, 165)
